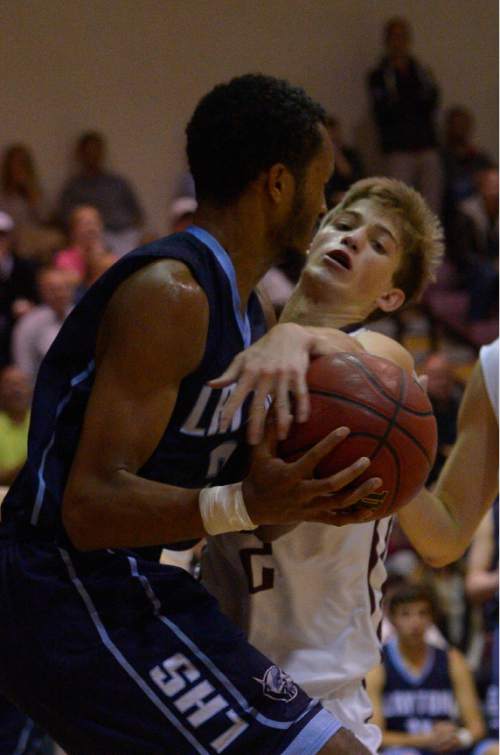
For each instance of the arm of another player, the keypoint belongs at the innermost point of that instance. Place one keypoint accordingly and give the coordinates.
(440, 525)
(466, 696)
(481, 581)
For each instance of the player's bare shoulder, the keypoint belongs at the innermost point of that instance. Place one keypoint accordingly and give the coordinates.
(382, 346)
(162, 292)
(159, 287)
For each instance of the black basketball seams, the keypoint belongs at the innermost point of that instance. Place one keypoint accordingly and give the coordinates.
(402, 395)
(355, 402)
(380, 386)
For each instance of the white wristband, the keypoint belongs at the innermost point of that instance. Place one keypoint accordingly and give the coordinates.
(223, 509)
(465, 737)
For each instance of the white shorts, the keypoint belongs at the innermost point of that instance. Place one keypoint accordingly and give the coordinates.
(352, 706)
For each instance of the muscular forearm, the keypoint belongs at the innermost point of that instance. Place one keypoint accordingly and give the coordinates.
(327, 340)
(441, 524)
(433, 530)
(128, 511)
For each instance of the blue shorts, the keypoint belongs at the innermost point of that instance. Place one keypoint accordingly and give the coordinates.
(115, 655)
(19, 735)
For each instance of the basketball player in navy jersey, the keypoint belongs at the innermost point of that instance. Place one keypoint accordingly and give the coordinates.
(424, 698)
(105, 648)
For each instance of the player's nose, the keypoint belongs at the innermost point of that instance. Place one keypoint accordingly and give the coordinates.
(352, 241)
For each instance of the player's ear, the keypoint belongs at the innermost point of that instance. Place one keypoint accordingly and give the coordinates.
(280, 183)
(391, 300)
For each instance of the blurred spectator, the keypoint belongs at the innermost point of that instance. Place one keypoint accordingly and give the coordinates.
(445, 394)
(17, 286)
(15, 397)
(110, 193)
(34, 333)
(461, 158)
(185, 186)
(348, 165)
(279, 282)
(481, 210)
(278, 287)
(473, 244)
(481, 587)
(88, 256)
(21, 195)
(182, 212)
(404, 100)
(423, 697)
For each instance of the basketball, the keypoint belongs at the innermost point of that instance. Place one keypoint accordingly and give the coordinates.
(391, 422)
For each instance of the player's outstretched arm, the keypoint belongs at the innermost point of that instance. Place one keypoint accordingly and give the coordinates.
(277, 365)
(440, 525)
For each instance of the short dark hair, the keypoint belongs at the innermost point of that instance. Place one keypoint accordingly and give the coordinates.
(412, 594)
(242, 128)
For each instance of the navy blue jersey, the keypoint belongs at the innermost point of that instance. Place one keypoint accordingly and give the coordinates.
(192, 450)
(414, 703)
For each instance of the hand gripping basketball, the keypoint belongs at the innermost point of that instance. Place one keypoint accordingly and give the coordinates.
(391, 422)
(277, 492)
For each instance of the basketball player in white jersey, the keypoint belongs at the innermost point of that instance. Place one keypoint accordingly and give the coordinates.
(310, 597)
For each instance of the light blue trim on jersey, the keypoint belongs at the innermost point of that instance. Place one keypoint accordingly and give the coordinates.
(24, 739)
(120, 658)
(41, 471)
(229, 686)
(226, 263)
(397, 660)
(318, 731)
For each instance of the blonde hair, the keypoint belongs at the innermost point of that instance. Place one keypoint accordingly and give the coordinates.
(421, 231)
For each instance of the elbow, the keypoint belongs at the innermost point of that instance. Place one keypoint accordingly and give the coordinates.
(436, 560)
(442, 558)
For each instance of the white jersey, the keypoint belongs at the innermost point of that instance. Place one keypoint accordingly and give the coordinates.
(310, 601)
(488, 356)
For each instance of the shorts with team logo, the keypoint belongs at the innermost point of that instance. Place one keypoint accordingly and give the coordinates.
(115, 655)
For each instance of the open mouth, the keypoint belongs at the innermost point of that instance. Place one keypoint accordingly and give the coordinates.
(340, 258)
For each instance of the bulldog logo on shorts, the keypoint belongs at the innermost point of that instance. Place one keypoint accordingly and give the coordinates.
(277, 685)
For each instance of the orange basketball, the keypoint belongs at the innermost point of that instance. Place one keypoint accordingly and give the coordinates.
(390, 418)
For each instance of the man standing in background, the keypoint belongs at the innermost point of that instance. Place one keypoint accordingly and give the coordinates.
(404, 99)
